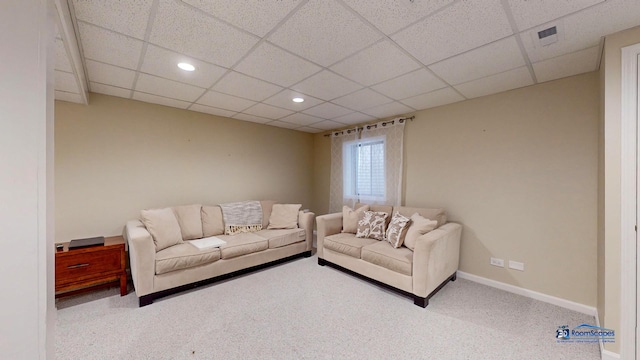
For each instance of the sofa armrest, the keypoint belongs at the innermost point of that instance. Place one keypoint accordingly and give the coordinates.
(142, 256)
(436, 257)
(305, 221)
(329, 224)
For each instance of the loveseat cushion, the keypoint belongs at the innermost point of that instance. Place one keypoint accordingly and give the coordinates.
(382, 253)
(242, 244)
(184, 256)
(282, 237)
(347, 244)
(434, 214)
(190, 221)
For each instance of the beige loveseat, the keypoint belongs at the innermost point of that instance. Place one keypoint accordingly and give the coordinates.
(418, 273)
(159, 271)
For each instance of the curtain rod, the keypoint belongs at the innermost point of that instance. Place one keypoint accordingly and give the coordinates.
(371, 126)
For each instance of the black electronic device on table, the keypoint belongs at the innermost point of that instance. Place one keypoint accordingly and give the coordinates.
(81, 243)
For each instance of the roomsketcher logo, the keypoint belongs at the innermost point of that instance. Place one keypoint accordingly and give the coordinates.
(585, 333)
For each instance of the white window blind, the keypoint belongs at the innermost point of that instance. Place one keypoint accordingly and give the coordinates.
(364, 169)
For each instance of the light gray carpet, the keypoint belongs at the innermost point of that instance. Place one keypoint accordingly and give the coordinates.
(299, 310)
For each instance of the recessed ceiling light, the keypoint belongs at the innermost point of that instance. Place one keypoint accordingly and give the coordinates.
(298, 99)
(186, 66)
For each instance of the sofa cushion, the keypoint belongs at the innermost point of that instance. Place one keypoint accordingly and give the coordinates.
(347, 244)
(163, 227)
(383, 254)
(184, 256)
(284, 216)
(419, 226)
(371, 224)
(282, 237)
(212, 222)
(190, 221)
(434, 214)
(379, 208)
(266, 205)
(242, 244)
(350, 218)
(397, 229)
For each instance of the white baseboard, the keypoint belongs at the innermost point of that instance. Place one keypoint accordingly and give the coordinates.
(605, 354)
(567, 304)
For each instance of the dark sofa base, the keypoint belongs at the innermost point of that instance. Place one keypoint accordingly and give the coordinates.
(417, 300)
(148, 299)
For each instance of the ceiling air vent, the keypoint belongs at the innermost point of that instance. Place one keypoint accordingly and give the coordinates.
(548, 36)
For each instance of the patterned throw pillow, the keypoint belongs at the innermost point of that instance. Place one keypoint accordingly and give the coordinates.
(371, 225)
(397, 229)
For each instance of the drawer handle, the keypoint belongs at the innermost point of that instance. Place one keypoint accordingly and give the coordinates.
(77, 266)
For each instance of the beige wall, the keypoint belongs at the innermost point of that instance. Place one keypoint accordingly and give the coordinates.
(611, 197)
(118, 156)
(519, 171)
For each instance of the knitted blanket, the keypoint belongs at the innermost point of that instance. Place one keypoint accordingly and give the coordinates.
(239, 217)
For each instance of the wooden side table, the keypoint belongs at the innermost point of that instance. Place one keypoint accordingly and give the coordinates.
(89, 268)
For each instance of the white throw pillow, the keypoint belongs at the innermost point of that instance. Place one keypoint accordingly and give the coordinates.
(163, 227)
(419, 226)
(284, 216)
(350, 218)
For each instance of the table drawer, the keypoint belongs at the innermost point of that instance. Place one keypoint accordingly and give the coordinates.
(73, 267)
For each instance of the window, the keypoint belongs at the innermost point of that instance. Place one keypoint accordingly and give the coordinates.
(364, 169)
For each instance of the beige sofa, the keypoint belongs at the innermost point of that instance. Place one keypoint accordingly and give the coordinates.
(419, 273)
(158, 272)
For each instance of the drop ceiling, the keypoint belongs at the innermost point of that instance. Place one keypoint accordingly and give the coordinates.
(352, 61)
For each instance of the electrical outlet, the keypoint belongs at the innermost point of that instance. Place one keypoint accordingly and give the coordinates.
(516, 265)
(497, 262)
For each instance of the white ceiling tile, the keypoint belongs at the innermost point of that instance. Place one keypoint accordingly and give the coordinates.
(493, 84)
(284, 99)
(328, 111)
(164, 63)
(257, 17)
(435, 98)
(191, 32)
(211, 110)
(126, 17)
(375, 64)
(324, 32)
(309, 129)
(62, 60)
(272, 64)
(354, 118)
(68, 97)
(224, 101)
(267, 111)
(567, 65)
(109, 90)
(244, 86)
(283, 124)
(532, 13)
(252, 118)
(460, 27)
(65, 81)
(584, 29)
(327, 125)
(150, 98)
(362, 99)
(411, 84)
(494, 58)
(301, 119)
(110, 75)
(168, 88)
(326, 85)
(391, 16)
(109, 47)
(386, 110)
